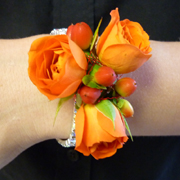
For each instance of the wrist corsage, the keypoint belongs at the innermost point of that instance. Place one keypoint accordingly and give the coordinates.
(90, 68)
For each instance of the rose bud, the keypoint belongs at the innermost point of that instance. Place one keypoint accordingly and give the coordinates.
(89, 95)
(105, 76)
(81, 34)
(126, 108)
(125, 86)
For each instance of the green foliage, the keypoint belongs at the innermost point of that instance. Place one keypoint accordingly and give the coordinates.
(88, 80)
(78, 101)
(61, 101)
(95, 36)
(107, 109)
(94, 69)
(120, 103)
(127, 126)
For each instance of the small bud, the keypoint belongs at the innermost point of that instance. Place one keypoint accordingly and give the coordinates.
(125, 107)
(105, 76)
(89, 95)
(125, 86)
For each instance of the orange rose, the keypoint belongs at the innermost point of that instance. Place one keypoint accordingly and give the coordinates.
(124, 45)
(135, 34)
(56, 66)
(95, 133)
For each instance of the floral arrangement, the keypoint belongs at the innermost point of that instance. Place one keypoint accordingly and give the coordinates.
(90, 68)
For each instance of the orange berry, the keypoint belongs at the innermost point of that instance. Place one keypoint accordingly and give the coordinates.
(125, 86)
(81, 34)
(125, 107)
(105, 76)
(89, 95)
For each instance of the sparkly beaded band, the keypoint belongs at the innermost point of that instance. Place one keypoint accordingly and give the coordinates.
(58, 31)
(71, 141)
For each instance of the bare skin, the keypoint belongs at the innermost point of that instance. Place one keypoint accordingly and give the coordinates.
(156, 99)
(26, 116)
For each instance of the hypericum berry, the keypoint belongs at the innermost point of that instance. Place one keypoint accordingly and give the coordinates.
(81, 34)
(105, 76)
(125, 86)
(89, 95)
(125, 107)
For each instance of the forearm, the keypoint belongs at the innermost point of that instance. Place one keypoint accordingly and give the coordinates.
(157, 99)
(26, 116)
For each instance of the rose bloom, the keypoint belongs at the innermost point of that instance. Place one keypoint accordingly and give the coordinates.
(56, 66)
(95, 133)
(124, 45)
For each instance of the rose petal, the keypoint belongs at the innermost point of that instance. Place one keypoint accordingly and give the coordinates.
(119, 130)
(70, 89)
(80, 118)
(78, 54)
(124, 58)
(114, 37)
(39, 43)
(55, 42)
(93, 132)
(105, 152)
(114, 19)
(136, 35)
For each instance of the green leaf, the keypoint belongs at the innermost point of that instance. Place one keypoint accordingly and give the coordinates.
(93, 84)
(95, 35)
(114, 101)
(114, 93)
(120, 103)
(107, 109)
(127, 126)
(94, 70)
(61, 101)
(86, 79)
(78, 101)
(87, 52)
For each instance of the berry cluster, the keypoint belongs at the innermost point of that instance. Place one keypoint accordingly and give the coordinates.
(101, 82)
(109, 86)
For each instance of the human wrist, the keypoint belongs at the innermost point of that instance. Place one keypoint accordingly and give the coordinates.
(35, 124)
(39, 125)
